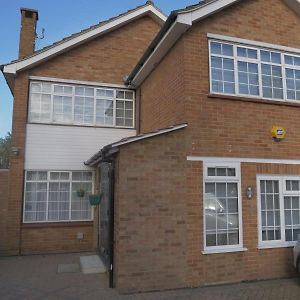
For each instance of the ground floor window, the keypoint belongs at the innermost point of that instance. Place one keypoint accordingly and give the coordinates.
(222, 207)
(279, 210)
(57, 196)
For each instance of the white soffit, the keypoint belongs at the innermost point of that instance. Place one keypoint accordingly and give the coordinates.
(13, 68)
(294, 5)
(170, 38)
(182, 23)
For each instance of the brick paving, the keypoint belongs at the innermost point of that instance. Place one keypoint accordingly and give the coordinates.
(36, 277)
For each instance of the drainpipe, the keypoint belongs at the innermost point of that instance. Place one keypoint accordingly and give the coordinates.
(139, 104)
(112, 222)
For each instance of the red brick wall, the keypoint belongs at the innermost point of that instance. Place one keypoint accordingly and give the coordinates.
(239, 128)
(159, 222)
(150, 218)
(4, 176)
(106, 59)
(56, 238)
(162, 94)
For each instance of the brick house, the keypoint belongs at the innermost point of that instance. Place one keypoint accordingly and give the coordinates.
(66, 100)
(214, 196)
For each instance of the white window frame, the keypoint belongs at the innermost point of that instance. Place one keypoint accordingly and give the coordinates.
(255, 46)
(72, 95)
(227, 179)
(59, 180)
(282, 193)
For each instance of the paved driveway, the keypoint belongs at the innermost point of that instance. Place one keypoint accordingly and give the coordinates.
(36, 277)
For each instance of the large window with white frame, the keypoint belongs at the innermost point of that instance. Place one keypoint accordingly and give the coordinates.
(80, 105)
(222, 207)
(279, 210)
(57, 196)
(238, 69)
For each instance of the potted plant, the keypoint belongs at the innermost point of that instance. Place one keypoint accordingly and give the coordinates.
(95, 199)
(80, 193)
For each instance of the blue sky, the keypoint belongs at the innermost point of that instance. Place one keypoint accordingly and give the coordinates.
(59, 18)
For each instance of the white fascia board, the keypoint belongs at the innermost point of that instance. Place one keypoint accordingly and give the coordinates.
(157, 15)
(169, 39)
(294, 5)
(210, 8)
(146, 136)
(69, 44)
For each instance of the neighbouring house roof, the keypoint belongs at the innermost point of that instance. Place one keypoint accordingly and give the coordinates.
(110, 149)
(9, 70)
(175, 26)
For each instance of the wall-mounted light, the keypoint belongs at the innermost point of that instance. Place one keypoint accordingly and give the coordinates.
(15, 151)
(249, 192)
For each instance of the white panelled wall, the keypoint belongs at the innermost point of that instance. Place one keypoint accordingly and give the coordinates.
(51, 147)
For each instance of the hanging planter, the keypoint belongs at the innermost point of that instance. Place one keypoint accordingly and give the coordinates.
(80, 193)
(95, 199)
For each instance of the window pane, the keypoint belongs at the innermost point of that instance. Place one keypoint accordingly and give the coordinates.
(221, 211)
(216, 48)
(35, 201)
(293, 84)
(248, 78)
(272, 82)
(62, 109)
(270, 214)
(222, 74)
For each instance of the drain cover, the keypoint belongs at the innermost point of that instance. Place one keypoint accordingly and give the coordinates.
(68, 268)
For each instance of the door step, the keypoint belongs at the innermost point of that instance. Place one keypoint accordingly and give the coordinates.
(91, 264)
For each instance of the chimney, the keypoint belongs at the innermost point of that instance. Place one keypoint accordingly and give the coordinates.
(29, 19)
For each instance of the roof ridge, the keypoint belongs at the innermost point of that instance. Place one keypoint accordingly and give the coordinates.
(83, 31)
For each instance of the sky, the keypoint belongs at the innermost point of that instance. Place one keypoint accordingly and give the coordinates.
(59, 19)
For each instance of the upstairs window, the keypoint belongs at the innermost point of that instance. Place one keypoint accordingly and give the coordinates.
(80, 105)
(249, 71)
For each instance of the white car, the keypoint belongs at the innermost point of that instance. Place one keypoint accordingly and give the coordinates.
(297, 255)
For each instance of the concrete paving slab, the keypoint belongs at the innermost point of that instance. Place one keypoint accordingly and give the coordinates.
(68, 268)
(36, 278)
(92, 264)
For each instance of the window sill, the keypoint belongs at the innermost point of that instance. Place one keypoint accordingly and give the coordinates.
(229, 250)
(57, 224)
(255, 100)
(262, 247)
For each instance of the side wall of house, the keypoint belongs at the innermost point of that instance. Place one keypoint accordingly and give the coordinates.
(106, 59)
(4, 177)
(227, 127)
(231, 127)
(162, 101)
(150, 219)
